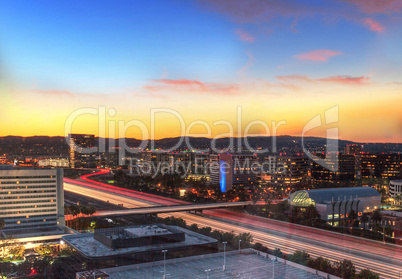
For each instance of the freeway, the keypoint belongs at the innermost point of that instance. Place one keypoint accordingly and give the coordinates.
(385, 259)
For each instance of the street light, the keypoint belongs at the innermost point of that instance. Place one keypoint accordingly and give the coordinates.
(239, 244)
(224, 254)
(273, 267)
(164, 263)
(207, 271)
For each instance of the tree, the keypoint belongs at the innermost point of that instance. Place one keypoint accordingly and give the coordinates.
(84, 209)
(311, 215)
(376, 217)
(205, 231)
(246, 239)
(194, 227)
(6, 243)
(321, 264)
(34, 266)
(6, 268)
(277, 253)
(258, 246)
(17, 251)
(388, 231)
(91, 209)
(228, 237)
(44, 250)
(364, 219)
(300, 257)
(280, 210)
(75, 210)
(367, 274)
(67, 251)
(345, 269)
(352, 218)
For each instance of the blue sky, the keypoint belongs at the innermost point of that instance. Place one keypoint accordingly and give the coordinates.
(231, 51)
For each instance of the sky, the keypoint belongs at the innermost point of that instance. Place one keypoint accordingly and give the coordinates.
(213, 68)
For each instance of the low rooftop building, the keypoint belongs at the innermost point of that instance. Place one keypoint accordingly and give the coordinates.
(247, 264)
(136, 244)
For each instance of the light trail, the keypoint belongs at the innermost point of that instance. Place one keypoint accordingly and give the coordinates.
(287, 244)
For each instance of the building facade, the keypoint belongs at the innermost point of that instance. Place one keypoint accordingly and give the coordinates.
(335, 204)
(31, 198)
(227, 170)
(79, 158)
(288, 171)
(395, 191)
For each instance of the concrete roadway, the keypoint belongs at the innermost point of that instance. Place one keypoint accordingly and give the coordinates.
(385, 259)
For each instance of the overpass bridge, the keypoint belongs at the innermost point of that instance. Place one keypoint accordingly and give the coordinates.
(154, 210)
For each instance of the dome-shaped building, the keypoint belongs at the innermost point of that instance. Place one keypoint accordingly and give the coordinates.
(335, 204)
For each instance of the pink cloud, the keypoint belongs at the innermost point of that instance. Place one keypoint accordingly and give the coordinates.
(262, 11)
(343, 79)
(186, 86)
(244, 36)
(381, 6)
(318, 55)
(346, 79)
(294, 78)
(373, 25)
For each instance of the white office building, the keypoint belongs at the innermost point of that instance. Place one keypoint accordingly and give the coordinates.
(32, 202)
(395, 191)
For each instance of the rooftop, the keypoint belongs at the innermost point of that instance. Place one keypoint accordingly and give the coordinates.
(34, 232)
(87, 245)
(147, 231)
(327, 195)
(396, 181)
(249, 264)
(392, 213)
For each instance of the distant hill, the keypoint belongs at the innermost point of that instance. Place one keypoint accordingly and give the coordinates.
(57, 146)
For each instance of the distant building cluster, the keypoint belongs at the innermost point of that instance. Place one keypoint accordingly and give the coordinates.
(284, 171)
(227, 170)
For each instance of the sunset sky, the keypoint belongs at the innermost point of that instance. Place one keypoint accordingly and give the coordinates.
(206, 60)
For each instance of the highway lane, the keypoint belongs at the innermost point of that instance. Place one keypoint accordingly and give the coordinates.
(126, 192)
(287, 243)
(114, 198)
(323, 236)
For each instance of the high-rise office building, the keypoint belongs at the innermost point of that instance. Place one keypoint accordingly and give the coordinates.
(353, 149)
(288, 170)
(31, 198)
(79, 157)
(356, 151)
(386, 166)
(338, 168)
(227, 170)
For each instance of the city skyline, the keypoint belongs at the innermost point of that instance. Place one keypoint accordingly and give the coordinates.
(280, 61)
